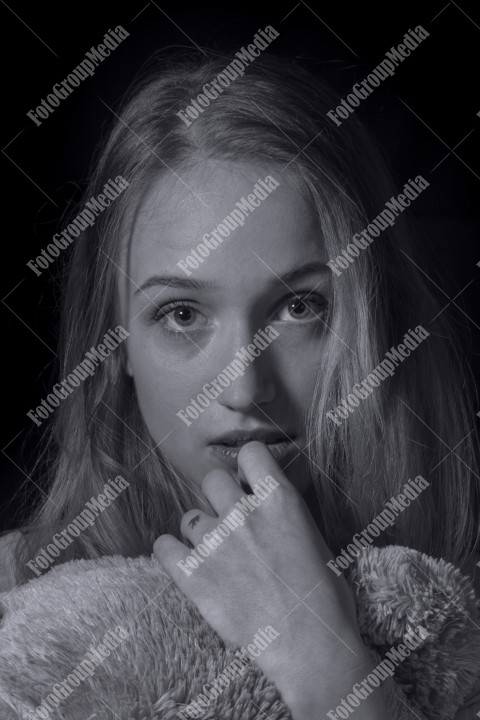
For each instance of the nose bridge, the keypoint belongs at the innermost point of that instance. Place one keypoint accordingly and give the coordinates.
(249, 371)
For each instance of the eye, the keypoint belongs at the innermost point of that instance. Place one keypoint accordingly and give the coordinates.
(310, 307)
(179, 316)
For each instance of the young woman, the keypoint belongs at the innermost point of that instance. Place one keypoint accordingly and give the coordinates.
(255, 286)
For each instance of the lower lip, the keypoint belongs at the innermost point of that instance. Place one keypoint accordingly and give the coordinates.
(229, 455)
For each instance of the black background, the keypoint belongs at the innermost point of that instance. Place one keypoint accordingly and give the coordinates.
(43, 168)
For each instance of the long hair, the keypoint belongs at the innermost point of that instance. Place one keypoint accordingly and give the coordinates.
(274, 113)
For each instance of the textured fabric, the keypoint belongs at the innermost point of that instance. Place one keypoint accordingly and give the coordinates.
(471, 706)
(396, 589)
(49, 626)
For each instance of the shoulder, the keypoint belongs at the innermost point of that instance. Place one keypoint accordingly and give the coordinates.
(471, 569)
(8, 542)
(469, 710)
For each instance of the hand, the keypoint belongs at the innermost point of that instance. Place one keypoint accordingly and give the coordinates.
(271, 571)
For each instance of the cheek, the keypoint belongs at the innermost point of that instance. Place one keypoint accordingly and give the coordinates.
(160, 395)
(306, 381)
(163, 387)
(297, 372)
(153, 389)
(159, 398)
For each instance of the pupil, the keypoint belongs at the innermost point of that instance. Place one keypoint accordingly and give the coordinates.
(298, 307)
(184, 315)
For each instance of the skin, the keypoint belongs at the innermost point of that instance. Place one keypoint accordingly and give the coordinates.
(272, 570)
(170, 369)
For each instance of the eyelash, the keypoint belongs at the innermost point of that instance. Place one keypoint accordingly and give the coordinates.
(161, 313)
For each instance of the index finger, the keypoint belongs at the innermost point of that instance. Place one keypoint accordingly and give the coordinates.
(256, 462)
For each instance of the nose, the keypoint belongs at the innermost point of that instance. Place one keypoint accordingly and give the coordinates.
(251, 374)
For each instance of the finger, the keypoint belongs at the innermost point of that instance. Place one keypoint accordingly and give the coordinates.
(172, 554)
(195, 523)
(257, 463)
(221, 490)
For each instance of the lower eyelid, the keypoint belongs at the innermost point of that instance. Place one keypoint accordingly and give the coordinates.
(318, 306)
(178, 330)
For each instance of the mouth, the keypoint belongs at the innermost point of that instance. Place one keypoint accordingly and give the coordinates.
(228, 448)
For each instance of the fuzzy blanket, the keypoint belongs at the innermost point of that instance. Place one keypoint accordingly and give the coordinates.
(114, 638)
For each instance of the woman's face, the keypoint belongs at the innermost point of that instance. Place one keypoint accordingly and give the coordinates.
(186, 326)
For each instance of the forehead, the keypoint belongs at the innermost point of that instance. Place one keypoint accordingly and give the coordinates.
(178, 209)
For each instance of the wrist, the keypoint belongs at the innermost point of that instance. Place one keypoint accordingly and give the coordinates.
(318, 697)
(312, 687)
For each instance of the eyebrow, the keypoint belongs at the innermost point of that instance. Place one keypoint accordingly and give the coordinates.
(185, 283)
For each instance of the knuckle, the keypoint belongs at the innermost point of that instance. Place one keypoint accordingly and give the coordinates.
(187, 517)
(284, 498)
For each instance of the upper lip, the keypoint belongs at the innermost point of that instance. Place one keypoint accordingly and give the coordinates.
(241, 437)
